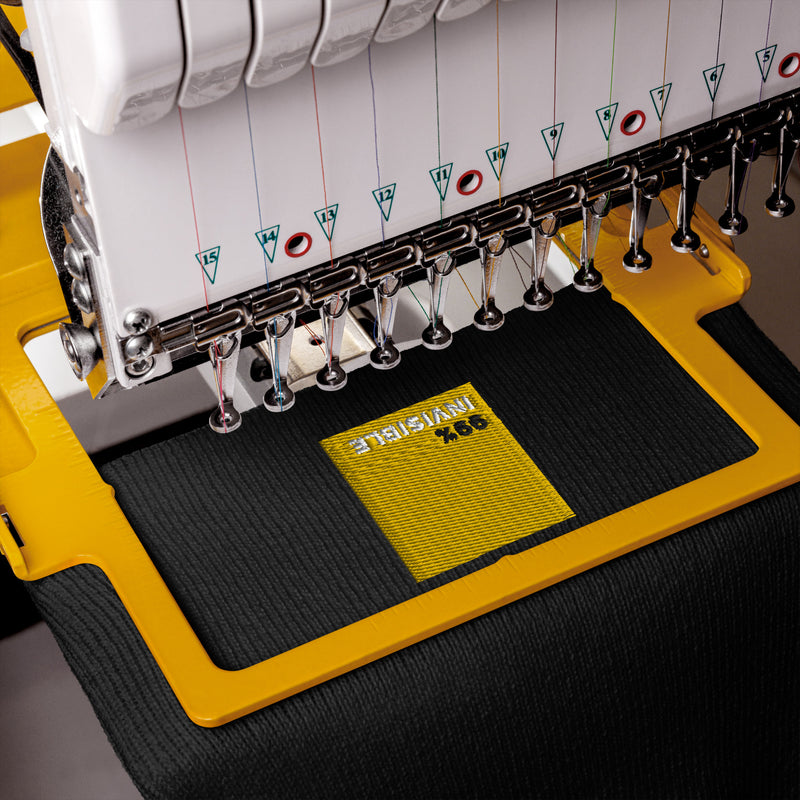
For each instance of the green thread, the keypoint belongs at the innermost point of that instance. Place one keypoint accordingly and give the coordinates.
(418, 303)
(438, 130)
(611, 85)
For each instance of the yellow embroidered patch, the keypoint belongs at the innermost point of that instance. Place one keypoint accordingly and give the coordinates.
(445, 481)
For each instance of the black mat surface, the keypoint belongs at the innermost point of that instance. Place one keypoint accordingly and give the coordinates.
(670, 672)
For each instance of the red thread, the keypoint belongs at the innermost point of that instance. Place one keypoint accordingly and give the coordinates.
(218, 375)
(316, 339)
(321, 162)
(194, 210)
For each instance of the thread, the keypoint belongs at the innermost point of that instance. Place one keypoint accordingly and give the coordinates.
(427, 316)
(316, 339)
(194, 209)
(375, 135)
(514, 255)
(321, 159)
(217, 366)
(716, 57)
(438, 126)
(611, 84)
(555, 81)
(273, 351)
(255, 178)
(664, 75)
(760, 94)
(477, 304)
(499, 140)
(766, 44)
(218, 381)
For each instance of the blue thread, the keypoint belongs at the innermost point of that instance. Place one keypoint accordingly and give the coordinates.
(375, 132)
(255, 178)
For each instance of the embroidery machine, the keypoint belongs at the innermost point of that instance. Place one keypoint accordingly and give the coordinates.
(278, 191)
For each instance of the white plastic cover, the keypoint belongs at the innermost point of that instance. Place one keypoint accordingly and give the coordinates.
(347, 28)
(216, 41)
(284, 32)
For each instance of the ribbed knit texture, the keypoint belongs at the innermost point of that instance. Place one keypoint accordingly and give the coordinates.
(266, 546)
(670, 672)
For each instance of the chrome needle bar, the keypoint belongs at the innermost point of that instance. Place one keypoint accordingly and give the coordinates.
(539, 297)
(224, 355)
(280, 332)
(385, 355)
(437, 335)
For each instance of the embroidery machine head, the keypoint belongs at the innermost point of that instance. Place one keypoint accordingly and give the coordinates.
(218, 182)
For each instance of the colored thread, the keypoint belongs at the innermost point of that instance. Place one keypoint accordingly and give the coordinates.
(194, 209)
(218, 380)
(438, 151)
(321, 160)
(375, 134)
(324, 187)
(439, 298)
(760, 93)
(497, 47)
(555, 73)
(274, 354)
(716, 57)
(611, 84)
(255, 178)
(664, 76)
(565, 249)
(766, 45)
(315, 339)
(427, 316)
(477, 304)
(217, 365)
(438, 128)
(516, 266)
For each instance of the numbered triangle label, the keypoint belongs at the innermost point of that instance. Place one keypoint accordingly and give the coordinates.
(552, 138)
(765, 57)
(606, 116)
(268, 239)
(384, 197)
(327, 219)
(660, 96)
(441, 178)
(713, 76)
(497, 158)
(209, 261)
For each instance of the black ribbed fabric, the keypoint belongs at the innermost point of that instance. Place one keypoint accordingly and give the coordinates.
(670, 672)
(601, 410)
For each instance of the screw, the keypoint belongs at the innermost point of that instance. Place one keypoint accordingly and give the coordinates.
(138, 320)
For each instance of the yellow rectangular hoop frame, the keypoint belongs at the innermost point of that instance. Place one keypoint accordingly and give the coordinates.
(66, 515)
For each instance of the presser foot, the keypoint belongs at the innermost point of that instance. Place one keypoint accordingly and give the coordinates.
(332, 377)
(779, 207)
(587, 279)
(232, 418)
(488, 317)
(538, 298)
(637, 262)
(437, 337)
(385, 357)
(278, 400)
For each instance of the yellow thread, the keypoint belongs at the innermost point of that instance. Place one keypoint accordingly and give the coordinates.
(562, 246)
(446, 481)
(477, 305)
